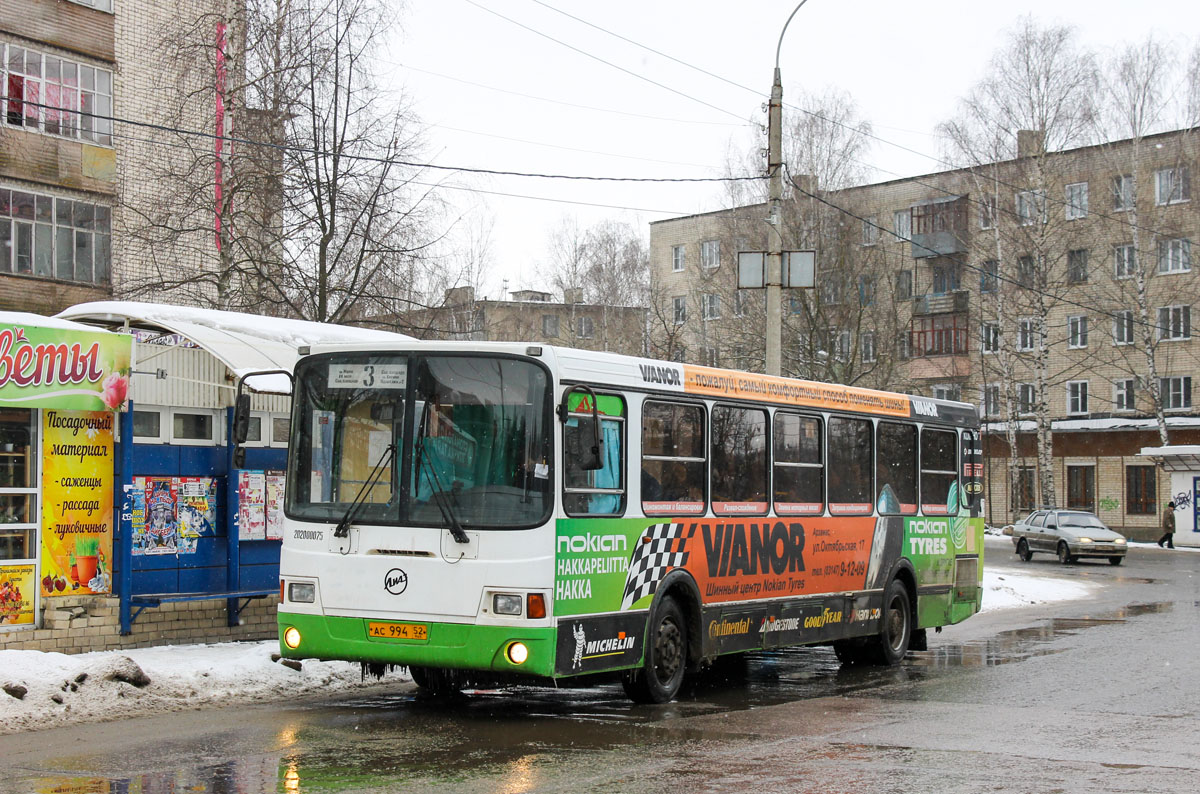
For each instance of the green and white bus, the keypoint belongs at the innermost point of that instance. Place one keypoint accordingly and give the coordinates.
(480, 512)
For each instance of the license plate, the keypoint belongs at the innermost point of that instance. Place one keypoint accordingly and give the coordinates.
(398, 631)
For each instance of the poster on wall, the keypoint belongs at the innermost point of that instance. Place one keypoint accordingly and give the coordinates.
(77, 502)
(16, 595)
(161, 532)
(169, 514)
(275, 483)
(92, 372)
(197, 510)
(252, 504)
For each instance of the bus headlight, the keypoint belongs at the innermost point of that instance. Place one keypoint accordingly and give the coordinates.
(302, 592)
(291, 637)
(507, 604)
(517, 652)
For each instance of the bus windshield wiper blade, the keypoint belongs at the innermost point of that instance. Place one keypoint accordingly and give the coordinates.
(439, 496)
(343, 526)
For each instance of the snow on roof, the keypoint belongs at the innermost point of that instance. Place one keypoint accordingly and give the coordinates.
(1174, 457)
(1111, 423)
(27, 319)
(245, 343)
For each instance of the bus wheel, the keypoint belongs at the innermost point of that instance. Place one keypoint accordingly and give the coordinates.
(896, 631)
(435, 680)
(661, 674)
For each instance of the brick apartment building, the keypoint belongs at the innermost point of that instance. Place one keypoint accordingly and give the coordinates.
(1015, 283)
(73, 183)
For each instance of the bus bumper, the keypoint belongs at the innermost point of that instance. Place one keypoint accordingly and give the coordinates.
(453, 645)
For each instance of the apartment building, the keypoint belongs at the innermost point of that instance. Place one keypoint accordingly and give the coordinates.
(74, 184)
(1034, 287)
(531, 316)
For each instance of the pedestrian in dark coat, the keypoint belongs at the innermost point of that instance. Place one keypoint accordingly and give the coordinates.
(1168, 525)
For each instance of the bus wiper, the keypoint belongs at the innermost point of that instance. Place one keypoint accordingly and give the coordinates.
(343, 526)
(439, 496)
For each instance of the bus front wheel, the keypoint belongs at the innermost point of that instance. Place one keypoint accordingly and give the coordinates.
(435, 680)
(659, 678)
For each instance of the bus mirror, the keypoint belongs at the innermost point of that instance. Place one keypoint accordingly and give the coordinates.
(241, 419)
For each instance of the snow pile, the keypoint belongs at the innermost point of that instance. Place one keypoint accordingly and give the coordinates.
(1004, 588)
(42, 690)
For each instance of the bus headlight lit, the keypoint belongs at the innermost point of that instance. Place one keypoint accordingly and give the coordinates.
(302, 592)
(517, 652)
(506, 604)
(291, 637)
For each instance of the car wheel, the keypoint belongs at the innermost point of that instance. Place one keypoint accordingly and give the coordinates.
(1064, 554)
(659, 678)
(1116, 560)
(1023, 550)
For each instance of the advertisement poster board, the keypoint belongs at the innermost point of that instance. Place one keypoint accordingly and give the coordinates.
(16, 595)
(275, 483)
(252, 504)
(61, 368)
(77, 502)
(196, 508)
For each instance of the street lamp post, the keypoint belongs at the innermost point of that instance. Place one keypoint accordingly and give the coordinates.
(774, 279)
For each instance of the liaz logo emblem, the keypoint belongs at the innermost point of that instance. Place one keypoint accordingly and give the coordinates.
(395, 581)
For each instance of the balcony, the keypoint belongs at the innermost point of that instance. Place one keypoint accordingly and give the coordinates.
(939, 227)
(941, 303)
(938, 347)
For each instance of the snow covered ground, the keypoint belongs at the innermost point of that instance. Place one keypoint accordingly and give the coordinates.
(56, 689)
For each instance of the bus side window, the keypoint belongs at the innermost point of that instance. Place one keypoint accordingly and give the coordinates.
(851, 465)
(739, 461)
(799, 465)
(674, 463)
(939, 470)
(599, 491)
(896, 469)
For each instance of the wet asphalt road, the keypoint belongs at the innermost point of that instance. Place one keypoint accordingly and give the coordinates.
(1100, 695)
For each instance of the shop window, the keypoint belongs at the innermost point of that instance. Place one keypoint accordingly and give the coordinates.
(194, 427)
(257, 431)
(799, 465)
(1141, 490)
(896, 469)
(148, 426)
(851, 464)
(280, 429)
(1023, 489)
(18, 484)
(939, 470)
(739, 461)
(674, 465)
(1081, 488)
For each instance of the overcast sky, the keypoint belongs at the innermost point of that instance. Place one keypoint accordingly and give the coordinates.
(517, 85)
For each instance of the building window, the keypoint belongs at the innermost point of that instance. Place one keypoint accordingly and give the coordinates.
(56, 95)
(1172, 185)
(678, 258)
(1077, 331)
(945, 279)
(1124, 261)
(904, 288)
(841, 344)
(585, 328)
(679, 305)
(1174, 256)
(194, 427)
(741, 301)
(1124, 396)
(710, 254)
(947, 391)
(1026, 271)
(53, 237)
(1031, 207)
(710, 306)
(1023, 489)
(866, 290)
(1175, 392)
(991, 401)
(904, 349)
(866, 347)
(940, 335)
(550, 325)
(989, 275)
(148, 425)
(99, 5)
(711, 358)
(679, 354)
(1077, 201)
(987, 212)
(989, 334)
(1077, 266)
(1123, 195)
(1077, 397)
(280, 428)
(1025, 334)
(1175, 322)
(831, 291)
(1081, 488)
(902, 225)
(1141, 490)
(1026, 398)
(870, 230)
(1123, 327)
(20, 482)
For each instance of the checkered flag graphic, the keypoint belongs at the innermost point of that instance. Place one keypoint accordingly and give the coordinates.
(661, 548)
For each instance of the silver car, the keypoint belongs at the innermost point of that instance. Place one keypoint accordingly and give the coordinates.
(1070, 534)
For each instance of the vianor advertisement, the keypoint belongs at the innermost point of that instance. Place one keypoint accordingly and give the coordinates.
(763, 582)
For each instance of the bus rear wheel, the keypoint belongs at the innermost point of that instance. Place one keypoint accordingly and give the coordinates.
(435, 680)
(665, 659)
(895, 633)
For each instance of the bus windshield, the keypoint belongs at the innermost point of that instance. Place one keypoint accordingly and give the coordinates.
(427, 440)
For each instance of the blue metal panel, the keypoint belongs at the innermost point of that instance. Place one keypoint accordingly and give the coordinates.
(155, 460)
(263, 458)
(201, 462)
(164, 581)
(259, 577)
(209, 551)
(202, 580)
(155, 562)
(260, 552)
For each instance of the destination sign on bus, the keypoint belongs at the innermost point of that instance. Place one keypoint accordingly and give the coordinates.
(360, 376)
